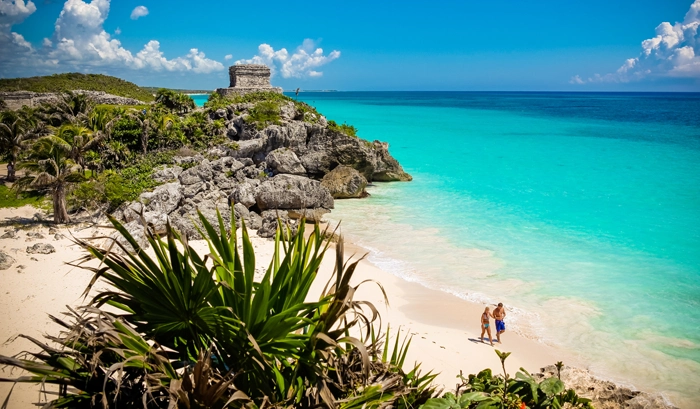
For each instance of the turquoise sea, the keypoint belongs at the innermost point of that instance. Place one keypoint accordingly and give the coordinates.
(579, 211)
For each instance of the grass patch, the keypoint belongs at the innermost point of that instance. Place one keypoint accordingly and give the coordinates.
(10, 198)
(75, 81)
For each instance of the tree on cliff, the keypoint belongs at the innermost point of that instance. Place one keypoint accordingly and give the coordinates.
(175, 101)
(50, 167)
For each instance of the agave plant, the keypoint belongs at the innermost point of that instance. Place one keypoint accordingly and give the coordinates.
(203, 332)
(102, 359)
(283, 345)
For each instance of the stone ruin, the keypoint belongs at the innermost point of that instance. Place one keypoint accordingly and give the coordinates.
(247, 78)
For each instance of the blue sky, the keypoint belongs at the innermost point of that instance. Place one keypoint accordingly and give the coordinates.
(365, 45)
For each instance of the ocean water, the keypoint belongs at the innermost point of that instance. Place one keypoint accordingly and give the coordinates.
(199, 99)
(580, 212)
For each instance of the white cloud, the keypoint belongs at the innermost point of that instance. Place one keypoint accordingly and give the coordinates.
(14, 49)
(14, 12)
(118, 31)
(298, 65)
(228, 57)
(80, 41)
(139, 11)
(673, 52)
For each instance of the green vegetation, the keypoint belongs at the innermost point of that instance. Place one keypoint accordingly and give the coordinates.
(184, 332)
(263, 114)
(12, 198)
(75, 81)
(216, 101)
(115, 187)
(485, 391)
(174, 101)
(51, 166)
(101, 156)
(343, 128)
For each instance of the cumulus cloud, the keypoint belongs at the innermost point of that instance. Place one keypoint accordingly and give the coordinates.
(674, 52)
(228, 57)
(14, 12)
(13, 46)
(302, 63)
(80, 41)
(139, 11)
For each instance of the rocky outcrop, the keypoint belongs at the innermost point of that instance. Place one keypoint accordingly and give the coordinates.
(41, 248)
(18, 99)
(284, 160)
(344, 182)
(5, 260)
(292, 192)
(604, 394)
(261, 172)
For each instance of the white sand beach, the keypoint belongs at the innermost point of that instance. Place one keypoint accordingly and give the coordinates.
(445, 328)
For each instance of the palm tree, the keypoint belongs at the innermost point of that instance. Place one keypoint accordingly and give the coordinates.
(72, 107)
(115, 153)
(51, 167)
(15, 131)
(144, 120)
(81, 140)
(162, 124)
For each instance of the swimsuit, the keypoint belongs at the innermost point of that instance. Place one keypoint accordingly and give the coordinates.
(500, 326)
(485, 324)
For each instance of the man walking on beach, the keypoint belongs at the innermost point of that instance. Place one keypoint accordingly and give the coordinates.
(499, 314)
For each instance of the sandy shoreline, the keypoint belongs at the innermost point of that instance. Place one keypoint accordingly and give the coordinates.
(445, 328)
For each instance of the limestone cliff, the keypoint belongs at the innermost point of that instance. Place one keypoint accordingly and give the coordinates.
(265, 172)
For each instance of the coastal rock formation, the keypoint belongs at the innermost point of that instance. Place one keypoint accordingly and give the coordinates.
(247, 78)
(18, 99)
(5, 260)
(292, 192)
(345, 182)
(604, 394)
(265, 175)
(284, 160)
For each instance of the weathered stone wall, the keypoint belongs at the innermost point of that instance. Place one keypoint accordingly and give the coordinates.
(226, 92)
(18, 99)
(247, 78)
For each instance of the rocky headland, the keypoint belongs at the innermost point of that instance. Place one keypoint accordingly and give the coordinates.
(291, 169)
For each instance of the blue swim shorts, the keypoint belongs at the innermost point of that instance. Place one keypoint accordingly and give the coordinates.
(500, 325)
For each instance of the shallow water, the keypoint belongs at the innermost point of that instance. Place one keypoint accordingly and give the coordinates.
(581, 212)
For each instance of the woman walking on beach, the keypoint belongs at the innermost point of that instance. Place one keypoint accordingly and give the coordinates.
(485, 326)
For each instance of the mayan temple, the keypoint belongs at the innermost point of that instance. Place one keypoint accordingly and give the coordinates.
(247, 78)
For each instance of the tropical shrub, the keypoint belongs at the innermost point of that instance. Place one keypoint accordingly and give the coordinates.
(174, 101)
(343, 128)
(195, 332)
(264, 113)
(127, 130)
(486, 391)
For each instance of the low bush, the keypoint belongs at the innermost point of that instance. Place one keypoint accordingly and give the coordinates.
(486, 391)
(343, 128)
(264, 113)
(114, 187)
